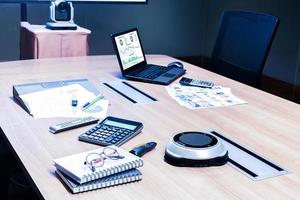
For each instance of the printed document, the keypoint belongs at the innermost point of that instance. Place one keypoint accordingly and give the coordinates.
(196, 97)
(57, 102)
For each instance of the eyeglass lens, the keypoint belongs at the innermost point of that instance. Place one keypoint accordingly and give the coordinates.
(97, 159)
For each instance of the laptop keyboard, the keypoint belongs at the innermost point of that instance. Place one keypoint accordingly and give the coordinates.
(152, 72)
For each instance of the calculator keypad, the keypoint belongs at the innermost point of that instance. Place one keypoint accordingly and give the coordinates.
(107, 135)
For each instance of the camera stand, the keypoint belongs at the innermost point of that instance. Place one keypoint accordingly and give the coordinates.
(61, 25)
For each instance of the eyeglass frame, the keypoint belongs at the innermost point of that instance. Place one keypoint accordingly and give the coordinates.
(103, 157)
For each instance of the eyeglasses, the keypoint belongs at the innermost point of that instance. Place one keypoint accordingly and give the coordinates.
(94, 160)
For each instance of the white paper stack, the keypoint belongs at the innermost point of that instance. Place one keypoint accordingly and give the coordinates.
(57, 102)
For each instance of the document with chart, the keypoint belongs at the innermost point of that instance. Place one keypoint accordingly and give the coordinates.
(196, 97)
(57, 102)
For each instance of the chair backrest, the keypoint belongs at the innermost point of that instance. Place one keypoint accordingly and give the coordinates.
(242, 45)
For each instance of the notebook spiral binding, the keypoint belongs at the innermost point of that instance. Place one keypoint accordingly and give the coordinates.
(111, 181)
(112, 170)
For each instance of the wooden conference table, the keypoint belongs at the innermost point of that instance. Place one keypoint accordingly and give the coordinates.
(267, 124)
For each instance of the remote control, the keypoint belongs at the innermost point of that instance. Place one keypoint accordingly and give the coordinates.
(197, 83)
(75, 123)
(142, 150)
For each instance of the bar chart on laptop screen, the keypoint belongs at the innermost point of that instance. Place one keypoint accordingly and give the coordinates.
(129, 48)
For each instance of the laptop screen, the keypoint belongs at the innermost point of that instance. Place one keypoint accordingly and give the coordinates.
(130, 49)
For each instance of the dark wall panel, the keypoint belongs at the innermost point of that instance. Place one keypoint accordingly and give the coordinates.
(9, 34)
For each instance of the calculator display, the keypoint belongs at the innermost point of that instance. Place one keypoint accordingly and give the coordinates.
(118, 124)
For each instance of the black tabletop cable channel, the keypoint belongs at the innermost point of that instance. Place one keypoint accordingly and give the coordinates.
(127, 97)
(250, 153)
(147, 95)
(242, 168)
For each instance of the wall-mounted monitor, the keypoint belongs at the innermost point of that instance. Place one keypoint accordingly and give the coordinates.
(81, 1)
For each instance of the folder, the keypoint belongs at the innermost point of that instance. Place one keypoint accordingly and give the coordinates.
(21, 89)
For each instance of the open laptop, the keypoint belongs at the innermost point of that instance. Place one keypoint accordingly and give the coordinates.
(133, 63)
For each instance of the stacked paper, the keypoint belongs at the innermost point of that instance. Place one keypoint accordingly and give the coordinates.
(57, 102)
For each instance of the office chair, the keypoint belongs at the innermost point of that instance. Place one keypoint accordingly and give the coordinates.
(242, 45)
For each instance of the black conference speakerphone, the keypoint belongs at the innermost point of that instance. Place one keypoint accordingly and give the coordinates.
(112, 131)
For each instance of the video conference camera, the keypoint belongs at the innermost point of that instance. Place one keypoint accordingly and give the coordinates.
(61, 15)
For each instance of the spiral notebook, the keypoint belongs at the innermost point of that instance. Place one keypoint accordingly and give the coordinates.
(128, 176)
(74, 167)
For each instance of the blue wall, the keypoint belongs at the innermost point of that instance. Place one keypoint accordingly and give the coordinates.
(9, 34)
(172, 27)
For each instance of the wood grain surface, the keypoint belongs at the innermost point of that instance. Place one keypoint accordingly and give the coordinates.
(268, 125)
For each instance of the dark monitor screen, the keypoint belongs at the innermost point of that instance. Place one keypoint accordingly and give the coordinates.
(81, 1)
